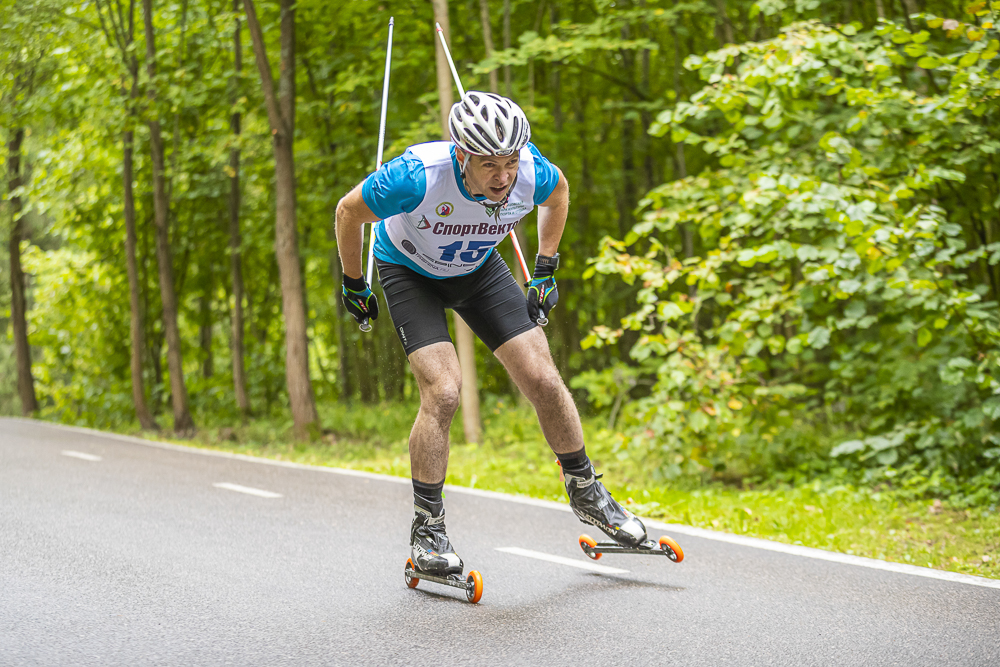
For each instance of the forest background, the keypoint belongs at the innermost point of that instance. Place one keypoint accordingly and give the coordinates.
(780, 270)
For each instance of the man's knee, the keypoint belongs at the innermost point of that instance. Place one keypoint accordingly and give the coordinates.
(442, 397)
(544, 381)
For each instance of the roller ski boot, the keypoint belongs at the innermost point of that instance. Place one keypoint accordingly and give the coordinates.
(592, 504)
(432, 557)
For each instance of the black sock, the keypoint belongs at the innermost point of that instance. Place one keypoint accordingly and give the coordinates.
(576, 464)
(429, 497)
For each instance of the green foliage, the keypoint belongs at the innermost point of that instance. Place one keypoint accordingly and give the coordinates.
(846, 276)
(843, 219)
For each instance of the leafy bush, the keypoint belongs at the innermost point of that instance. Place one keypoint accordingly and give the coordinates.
(846, 279)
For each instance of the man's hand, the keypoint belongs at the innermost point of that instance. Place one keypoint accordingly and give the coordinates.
(542, 292)
(359, 299)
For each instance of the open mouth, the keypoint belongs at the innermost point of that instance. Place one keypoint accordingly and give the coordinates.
(498, 192)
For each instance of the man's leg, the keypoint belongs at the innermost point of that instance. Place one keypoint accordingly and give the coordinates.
(439, 378)
(526, 357)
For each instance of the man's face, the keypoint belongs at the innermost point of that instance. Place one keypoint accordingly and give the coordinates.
(491, 176)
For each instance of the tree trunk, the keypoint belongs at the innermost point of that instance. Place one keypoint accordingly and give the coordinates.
(183, 423)
(649, 172)
(329, 148)
(464, 340)
(680, 172)
(235, 238)
(205, 327)
(137, 325)
(725, 25)
(629, 196)
(343, 353)
(506, 45)
(18, 308)
(137, 319)
(281, 116)
(484, 16)
(136, 283)
(556, 84)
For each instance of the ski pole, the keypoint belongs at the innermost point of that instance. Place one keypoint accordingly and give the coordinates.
(461, 92)
(366, 324)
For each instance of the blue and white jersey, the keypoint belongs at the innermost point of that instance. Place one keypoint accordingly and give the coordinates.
(430, 222)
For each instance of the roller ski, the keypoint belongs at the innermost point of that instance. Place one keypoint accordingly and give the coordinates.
(592, 504)
(432, 557)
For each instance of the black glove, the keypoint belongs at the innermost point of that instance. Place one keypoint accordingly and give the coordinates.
(359, 299)
(542, 293)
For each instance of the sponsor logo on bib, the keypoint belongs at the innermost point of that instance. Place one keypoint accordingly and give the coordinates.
(423, 224)
(444, 209)
(409, 247)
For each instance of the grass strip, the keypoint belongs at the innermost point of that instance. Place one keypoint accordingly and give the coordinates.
(513, 458)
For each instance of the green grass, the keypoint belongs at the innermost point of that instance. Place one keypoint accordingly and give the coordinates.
(514, 458)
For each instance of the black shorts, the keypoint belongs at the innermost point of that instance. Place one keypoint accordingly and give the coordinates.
(488, 299)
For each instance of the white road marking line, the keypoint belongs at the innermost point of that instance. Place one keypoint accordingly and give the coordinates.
(246, 489)
(819, 554)
(80, 455)
(582, 564)
(751, 542)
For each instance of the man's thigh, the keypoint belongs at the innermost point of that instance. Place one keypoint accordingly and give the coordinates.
(416, 308)
(493, 305)
(526, 356)
(436, 369)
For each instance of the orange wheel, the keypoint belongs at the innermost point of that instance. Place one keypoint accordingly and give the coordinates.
(592, 543)
(411, 581)
(674, 551)
(474, 586)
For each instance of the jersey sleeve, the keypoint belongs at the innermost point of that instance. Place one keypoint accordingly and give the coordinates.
(397, 187)
(546, 176)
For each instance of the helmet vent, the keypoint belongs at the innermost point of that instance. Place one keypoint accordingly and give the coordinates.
(486, 136)
(500, 133)
(482, 148)
(502, 108)
(474, 98)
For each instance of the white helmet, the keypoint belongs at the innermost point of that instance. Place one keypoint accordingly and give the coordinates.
(488, 124)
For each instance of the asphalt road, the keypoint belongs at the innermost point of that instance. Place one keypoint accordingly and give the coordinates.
(139, 559)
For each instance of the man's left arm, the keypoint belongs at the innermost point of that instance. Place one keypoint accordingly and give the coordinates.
(542, 293)
(552, 214)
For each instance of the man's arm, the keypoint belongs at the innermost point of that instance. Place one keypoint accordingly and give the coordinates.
(552, 214)
(352, 214)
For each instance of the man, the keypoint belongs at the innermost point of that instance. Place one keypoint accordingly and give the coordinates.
(444, 207)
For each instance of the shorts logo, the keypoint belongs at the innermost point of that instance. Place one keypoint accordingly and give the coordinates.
(409, 247)
(423, 224)
(444, 209)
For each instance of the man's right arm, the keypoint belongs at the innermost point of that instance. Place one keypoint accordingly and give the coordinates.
(397, 187)
(352, 214)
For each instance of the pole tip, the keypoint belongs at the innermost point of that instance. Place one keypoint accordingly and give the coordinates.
(437, 26)
(391, 20)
